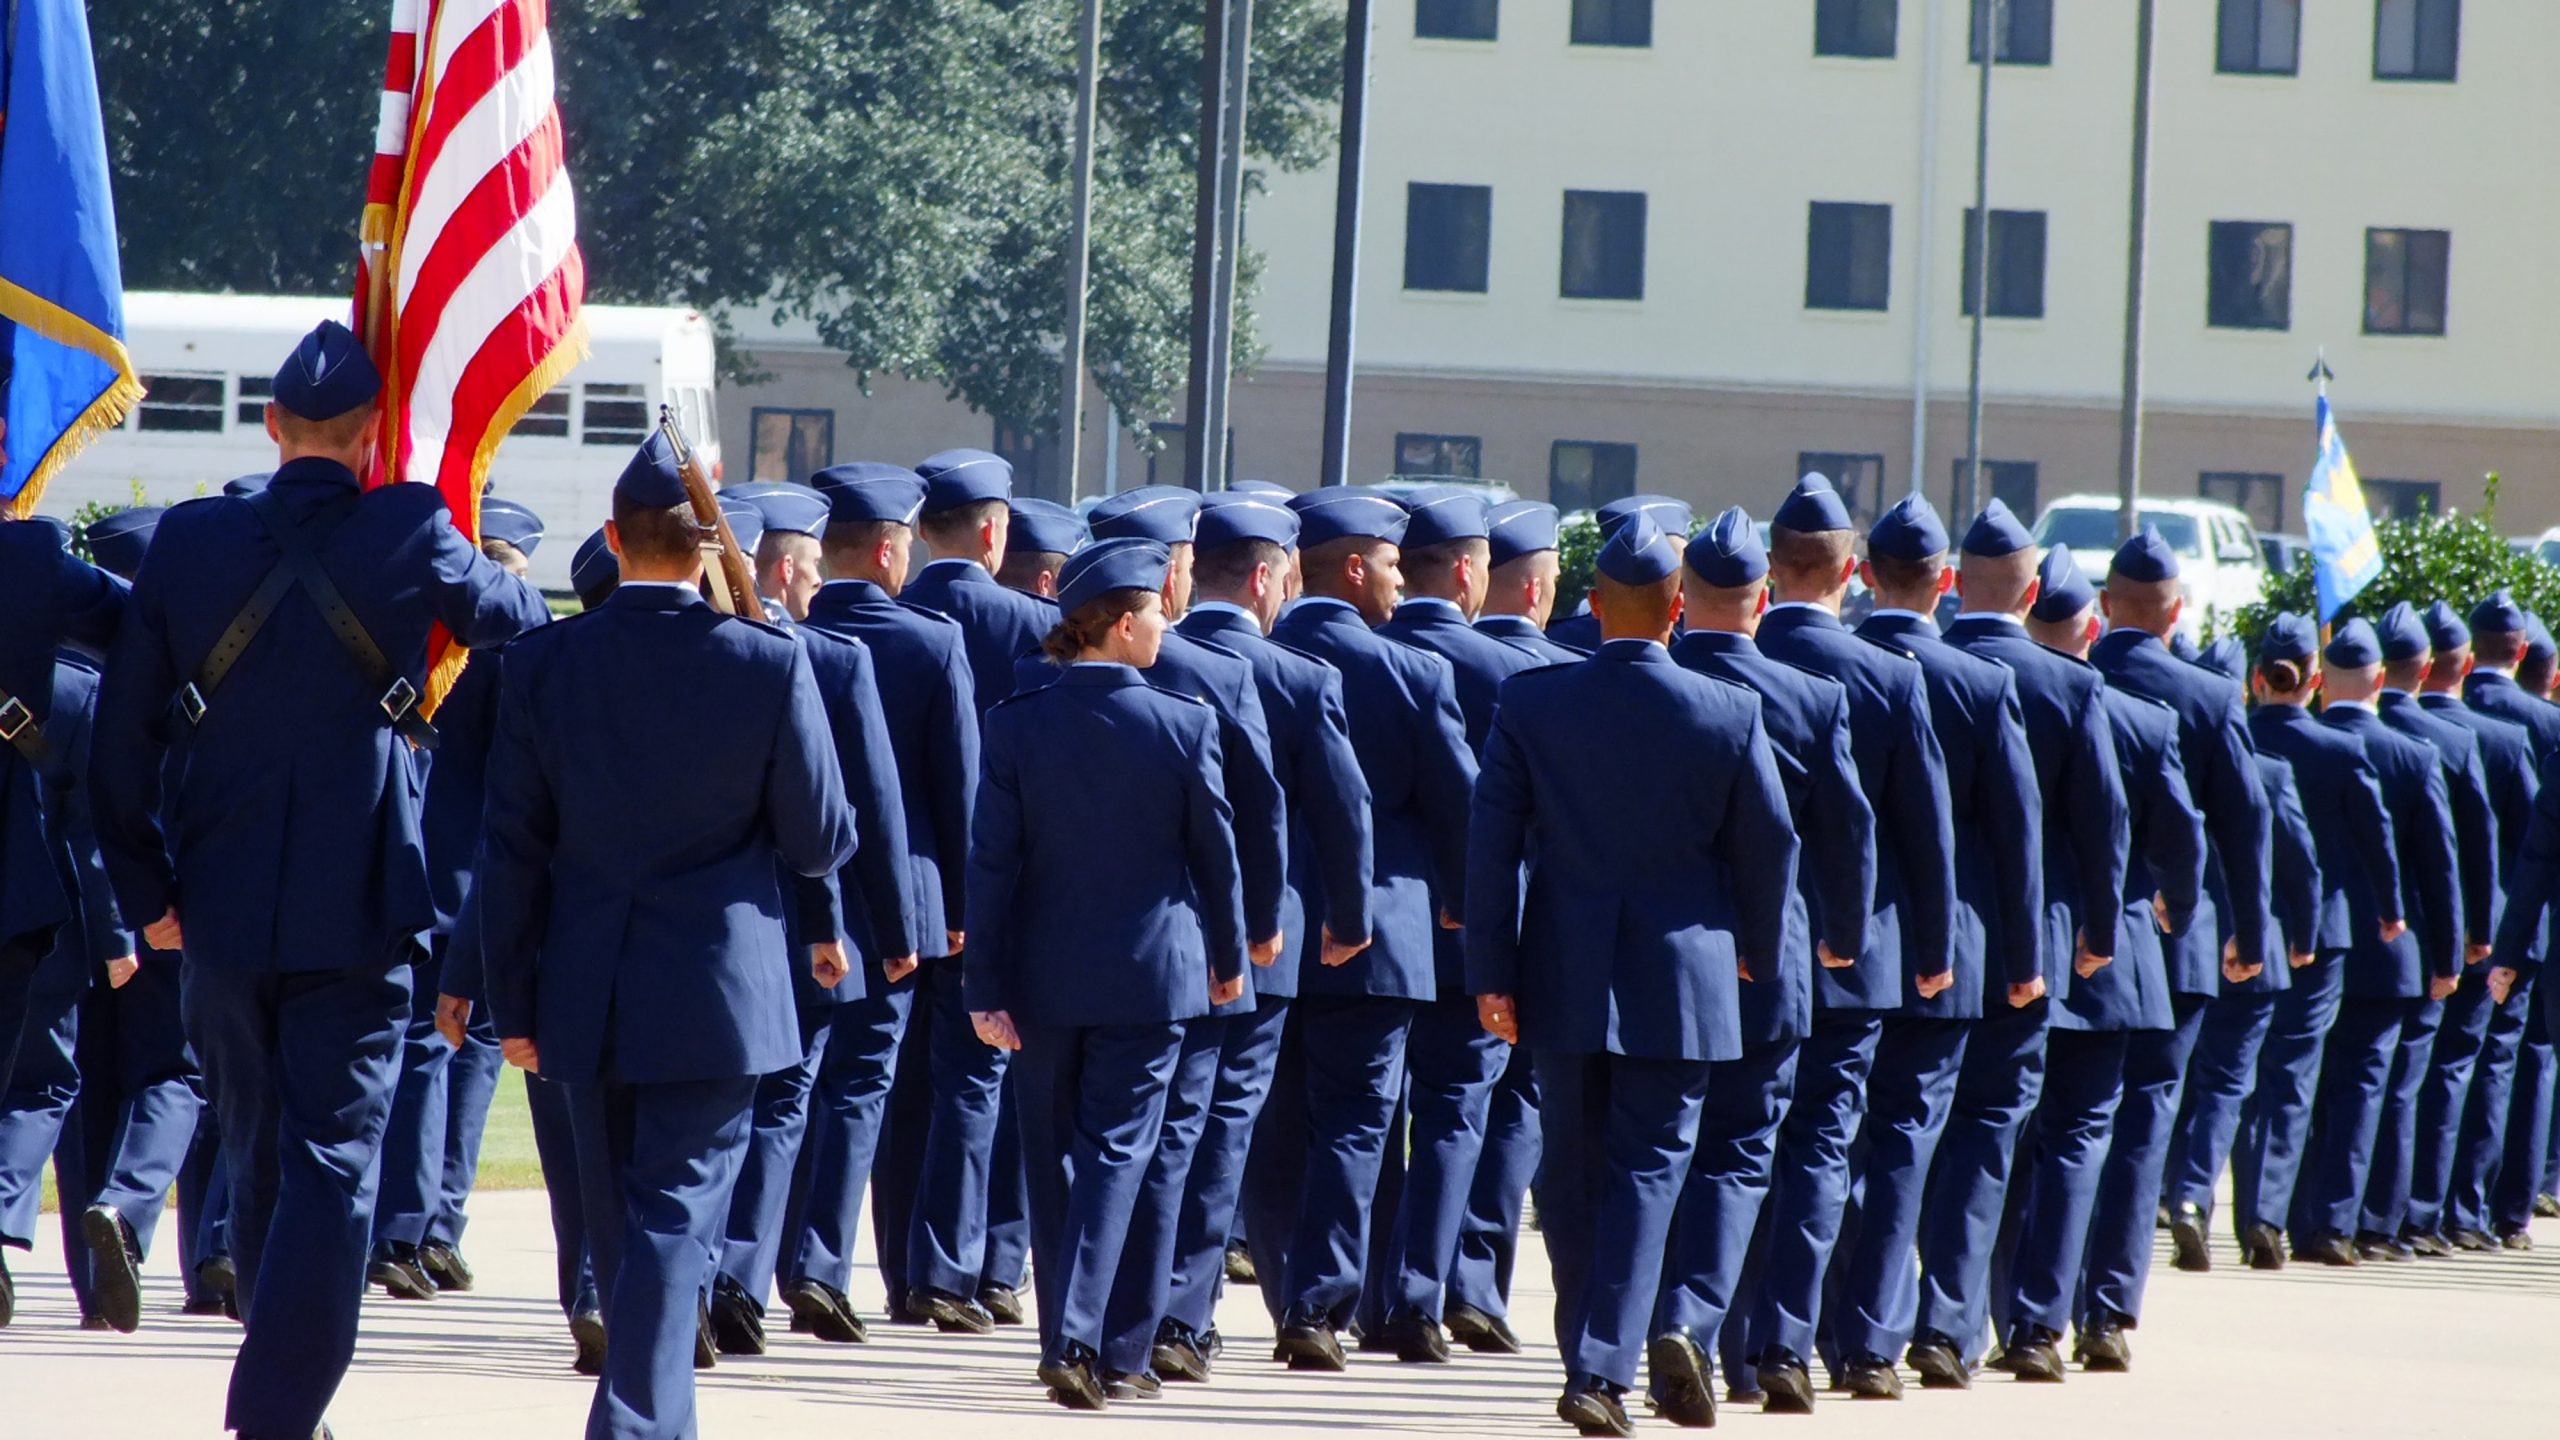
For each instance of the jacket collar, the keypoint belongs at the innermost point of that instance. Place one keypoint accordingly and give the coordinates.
(1105, 675)
(1326, 610)
(1713, 642)
(1217, 617)
(839, 598)
(1796, 614)
(1507, 625)
(314, 470)
(1430, 610)
(645, 595)
(957, 571)
(1633, 652)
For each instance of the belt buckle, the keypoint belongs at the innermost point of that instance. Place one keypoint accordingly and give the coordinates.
(15, 717)
(397, 700)
(191, 704)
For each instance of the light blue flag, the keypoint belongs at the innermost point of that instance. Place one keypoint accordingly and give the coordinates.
(2345, 557)
(62, 352)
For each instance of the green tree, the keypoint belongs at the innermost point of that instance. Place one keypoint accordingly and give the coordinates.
(894, 171)
(1578, 559)
(2454, 557)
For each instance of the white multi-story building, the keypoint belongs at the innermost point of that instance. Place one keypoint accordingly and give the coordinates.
(1697, 246)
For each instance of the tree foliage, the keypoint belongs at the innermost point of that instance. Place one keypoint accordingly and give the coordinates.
(2453, 557)
(1578, 561)
(895, 171)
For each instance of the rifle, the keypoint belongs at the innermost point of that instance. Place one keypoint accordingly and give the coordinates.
(733, 576)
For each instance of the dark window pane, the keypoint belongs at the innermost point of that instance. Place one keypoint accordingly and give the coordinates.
(253, 393)
(2017, 264)
(2249, 275)
(2416, 39)
(1858, 478)
(2012, 482)
(2025, 28)
(2404, 281)
(182, 402)
(2258, 37)
(1848, 256)
(1862, 29)
(2404, 499)
(1603, 245)
(548, 415)
(1456, 19)
(614, 415)
(790, 444)
(2260, 496)
(1587, 474)
(1447, 236)
(1458, 455)
(1613, 22)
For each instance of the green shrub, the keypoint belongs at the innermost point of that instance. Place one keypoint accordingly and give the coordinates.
(2455, 558)
(1578, 552)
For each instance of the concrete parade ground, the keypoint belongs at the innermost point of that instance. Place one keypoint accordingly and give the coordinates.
(2467, 1347)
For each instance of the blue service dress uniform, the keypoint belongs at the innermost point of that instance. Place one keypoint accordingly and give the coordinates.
(1648, 888)
(1103, 901)
(1807, 721)
(297, 864)
(635, 932)
(1352, 1020)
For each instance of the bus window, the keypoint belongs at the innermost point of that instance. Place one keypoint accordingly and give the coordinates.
(254, 393)
(181, 402)
(615, 415)
(548, 415)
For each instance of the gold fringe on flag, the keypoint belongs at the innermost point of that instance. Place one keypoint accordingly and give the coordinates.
(103, 414)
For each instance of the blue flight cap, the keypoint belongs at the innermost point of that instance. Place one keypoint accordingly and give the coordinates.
(2538, 646)
(327, 375)
(1672, 516)
(1996, 532)
(2145, 559)
(868, 491)
(2403, 634)
(2445, 629)
(1044, 527)
(1231, 517)
(1129, 563)
(1338, 512)
(1812, 508)
(955, 478)
(651, 481)
(506, 520)
(786, 508)
(1520, 527)
(1271, 488)
(1162, 513)
(1444, 513)
(594, 570)
(2289, 637)
(1728, 553)
(118, 541)
(2062, 592)
(2226, 657)
(2499, 614)
(1639, 553)
(1911, 530)
(854, 472)
(745, 521)
(2353, 646)
(243, 486)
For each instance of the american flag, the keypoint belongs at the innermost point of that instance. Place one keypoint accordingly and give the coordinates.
(469, 279)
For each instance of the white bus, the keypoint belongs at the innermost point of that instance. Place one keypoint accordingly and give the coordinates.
(207, 362)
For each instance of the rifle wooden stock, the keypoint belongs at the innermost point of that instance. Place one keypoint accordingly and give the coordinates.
(733, 575)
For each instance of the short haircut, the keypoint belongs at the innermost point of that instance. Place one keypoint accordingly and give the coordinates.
(2142, 603)
(652, 535)
(1902, 578)
(338, 432)
(2534, 675)
(1327, 558)
(2498, 650)
(1226, 568)
(959, 525)
(852, 541)
(778, 543)
(1626, 604)
(1023, 568)
(1997, 582)
(1429, 563)
(2404, 674)
(1076, 633)
(1807, 557)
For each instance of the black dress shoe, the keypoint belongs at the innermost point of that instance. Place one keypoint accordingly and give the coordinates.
(2103, 1348)
(1073, 1383)
(951, 1314)
(736, 1327)
(95, 1322)
(1870, 1378)
(2427, 1244)
(586, 1331)
(1131, 1385)
(1676, 1372)
(2547, 1206)
(205, 1305)
(1415, 1339)
(706, 1355)
(115, 1271)
(1239, 1266)
(2264, 1245)
(8, 1295)
(819, 1310)
(1178, 1356)
(2514, 1238)
(2187, 1238)
(1002, 1304)
(395, 1269)
(1940, 1365)
(1788, 1384)
(1595, 1409)
(2326, 1250)
(1310, 1347)
(2466, 1238)
(1484, 1334)
(1371, 1344)
(2034, 1358)
(2384, 1248)
(444, 1265)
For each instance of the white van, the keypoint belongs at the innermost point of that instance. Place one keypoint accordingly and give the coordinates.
(2220, 564)
(207, 362)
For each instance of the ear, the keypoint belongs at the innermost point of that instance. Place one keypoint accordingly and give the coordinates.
(1761, 606)
(1946, 579)
(2106, 604)
(2035, 592)
(273, 433)
(2090, 635)
(1849, 567)
(1679, 603)
(1864, 571)
(612, 532)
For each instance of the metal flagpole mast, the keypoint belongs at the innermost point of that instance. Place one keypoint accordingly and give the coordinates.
(1346, 243)
(1986, 33)
(1079, 255)
(2137, 262)
(1205, 229)
(1222, 322)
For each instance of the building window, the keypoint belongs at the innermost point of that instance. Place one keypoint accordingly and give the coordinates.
(548, 415)
(791, 444)
(1858, 29)
(2011, 482)
(2260, 497)
(1460, 456)
(1587, 474)
(2404, 499)
(250, 406)
(2017, 264)
(183, 402)
(1858, 478)
(614, 415)
(1848, 256)
(1603, 245)
(2416, 39)
(1456, 19)
(2404, 281)
(1448, 232)
(1027, 451)
(1613, 22)
(2025, 28)
(2249, 275)
(2259, 37)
